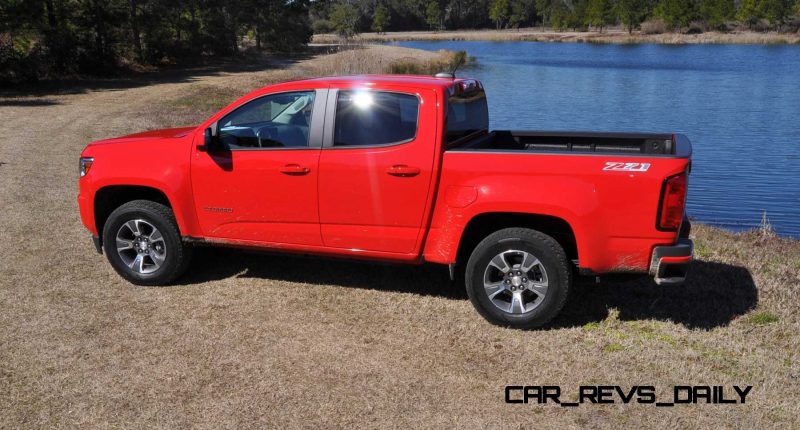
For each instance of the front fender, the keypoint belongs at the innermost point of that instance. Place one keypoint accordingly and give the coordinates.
(162, 165)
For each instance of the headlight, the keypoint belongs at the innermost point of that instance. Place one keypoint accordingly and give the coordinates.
(85, 165)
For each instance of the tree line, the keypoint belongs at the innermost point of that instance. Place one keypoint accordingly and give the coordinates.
(54, 38)
(348, 17)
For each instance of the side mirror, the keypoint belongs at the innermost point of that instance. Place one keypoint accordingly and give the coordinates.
(210, 141)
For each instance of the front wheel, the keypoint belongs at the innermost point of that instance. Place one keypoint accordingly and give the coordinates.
(143, 244)
(518, 278)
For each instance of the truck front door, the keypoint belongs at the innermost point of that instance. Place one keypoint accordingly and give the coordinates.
(261, 185)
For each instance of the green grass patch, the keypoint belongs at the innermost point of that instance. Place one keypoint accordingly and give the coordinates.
(613, 347)
(701, 251)
(763, 317)
(591, 326)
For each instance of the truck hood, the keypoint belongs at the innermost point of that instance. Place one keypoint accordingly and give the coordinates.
(166, 133)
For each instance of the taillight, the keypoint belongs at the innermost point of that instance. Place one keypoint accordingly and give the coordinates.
(673, 202)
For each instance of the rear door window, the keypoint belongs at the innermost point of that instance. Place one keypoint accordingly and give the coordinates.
(370, 118)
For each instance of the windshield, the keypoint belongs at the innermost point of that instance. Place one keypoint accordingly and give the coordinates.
(466, 114)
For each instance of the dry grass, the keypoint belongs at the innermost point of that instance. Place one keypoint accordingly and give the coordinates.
(609, 36)
(255, 341)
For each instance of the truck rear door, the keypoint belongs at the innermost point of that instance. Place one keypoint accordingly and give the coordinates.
(375, 168)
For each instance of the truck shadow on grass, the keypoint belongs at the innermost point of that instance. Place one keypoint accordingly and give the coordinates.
(713, 296)
(211, 264)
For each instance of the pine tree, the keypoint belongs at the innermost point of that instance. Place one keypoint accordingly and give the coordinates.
(676, 13)
(519, 13)
(380, 19)
(433, 15)
(777, 11)
(717, 12)
(632, 12)
(498, 12)
(749, 12)
(344, 18)
(599, 13)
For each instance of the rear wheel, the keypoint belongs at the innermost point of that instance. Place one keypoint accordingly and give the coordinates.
(143, 244)
(518, 277)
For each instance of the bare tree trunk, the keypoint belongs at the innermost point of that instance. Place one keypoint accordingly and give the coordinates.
(137, 40)
(51, 15)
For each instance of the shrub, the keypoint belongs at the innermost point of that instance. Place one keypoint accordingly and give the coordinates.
(655, 26)
(322, 26)
(449, 60)
(696, 27)
(761, 25)
(21, 59)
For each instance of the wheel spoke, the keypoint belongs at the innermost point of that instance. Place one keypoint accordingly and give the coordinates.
(529, 262)
(516, 304)
(542, 281)
(156, 236)
(124, 244)
(499, 262)
(157, 258)
(538, 288)
(493, 289)
(133, 226)
(138, 263)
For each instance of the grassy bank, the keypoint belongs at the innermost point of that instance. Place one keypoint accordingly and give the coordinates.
(610, 36)
(256, 341)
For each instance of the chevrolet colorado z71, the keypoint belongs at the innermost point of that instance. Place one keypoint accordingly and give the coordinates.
(400, 169)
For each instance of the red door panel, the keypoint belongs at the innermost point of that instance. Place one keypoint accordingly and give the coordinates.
(260, 195)
(374, 198)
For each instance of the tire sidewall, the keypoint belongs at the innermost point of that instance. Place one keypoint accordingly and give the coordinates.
(172, 242)
(556, 292)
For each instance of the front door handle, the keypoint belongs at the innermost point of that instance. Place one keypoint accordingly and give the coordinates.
(403, 171)
(294, 170)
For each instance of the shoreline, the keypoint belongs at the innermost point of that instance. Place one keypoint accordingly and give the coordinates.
(615, 36)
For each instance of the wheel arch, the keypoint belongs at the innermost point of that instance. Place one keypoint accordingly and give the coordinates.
(484, 224)
(110, 197)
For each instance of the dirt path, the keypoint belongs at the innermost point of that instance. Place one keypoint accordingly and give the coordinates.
(276, 342)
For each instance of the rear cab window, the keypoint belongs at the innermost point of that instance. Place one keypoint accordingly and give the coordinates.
(467, 111)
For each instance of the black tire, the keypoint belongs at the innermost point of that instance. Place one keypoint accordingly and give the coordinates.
(516, 243)
(177, 254)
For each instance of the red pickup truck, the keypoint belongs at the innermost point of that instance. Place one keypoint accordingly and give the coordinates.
(399, 169)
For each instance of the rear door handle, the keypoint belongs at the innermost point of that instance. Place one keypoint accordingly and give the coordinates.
(294, 170)
(403, 171)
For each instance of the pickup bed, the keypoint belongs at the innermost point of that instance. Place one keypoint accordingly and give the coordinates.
(399, 169)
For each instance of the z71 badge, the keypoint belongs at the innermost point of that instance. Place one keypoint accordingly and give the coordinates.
(626, 167)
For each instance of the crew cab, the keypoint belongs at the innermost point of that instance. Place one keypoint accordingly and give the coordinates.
(399, 169)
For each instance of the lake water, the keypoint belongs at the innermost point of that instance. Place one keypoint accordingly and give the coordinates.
(738, 104)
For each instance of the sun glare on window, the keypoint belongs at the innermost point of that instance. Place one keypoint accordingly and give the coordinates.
(362, 99)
